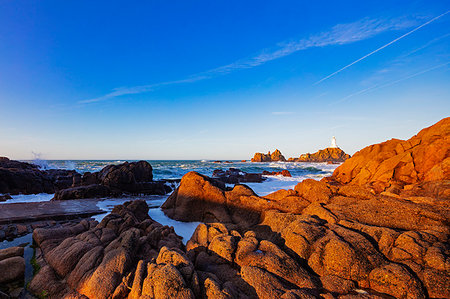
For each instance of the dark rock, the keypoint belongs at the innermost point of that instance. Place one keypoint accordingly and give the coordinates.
(5, 197)
(21, 177)
(115, 180)
(285, 173)
(90, 191)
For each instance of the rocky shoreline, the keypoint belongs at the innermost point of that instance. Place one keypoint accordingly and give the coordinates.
(377, 228)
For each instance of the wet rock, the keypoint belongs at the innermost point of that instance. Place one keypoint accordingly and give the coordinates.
(236, 176)
(285, 173)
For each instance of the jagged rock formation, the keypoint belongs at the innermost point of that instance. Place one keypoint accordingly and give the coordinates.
(20, 177)
(385, 233)
(114, 180)
(423, 158)
(330, 154)
(108, 259)
(274, 157)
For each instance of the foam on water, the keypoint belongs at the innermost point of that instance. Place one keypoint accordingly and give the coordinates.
(29, 198)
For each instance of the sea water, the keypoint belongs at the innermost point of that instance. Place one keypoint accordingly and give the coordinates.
(163, 169)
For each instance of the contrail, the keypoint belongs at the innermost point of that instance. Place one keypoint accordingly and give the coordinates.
(392, 83)
(381, 48)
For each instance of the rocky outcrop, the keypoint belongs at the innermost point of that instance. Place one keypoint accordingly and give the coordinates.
(20, 177)
(398, 164)
(274, 157)
(329, 237)
(236, 176)
(127, 253)
(115, 180)
(330, 154)
(200, 198)
(135, 177)
(285, 173)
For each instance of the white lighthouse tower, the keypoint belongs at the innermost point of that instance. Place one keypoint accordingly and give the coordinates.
(333, 142)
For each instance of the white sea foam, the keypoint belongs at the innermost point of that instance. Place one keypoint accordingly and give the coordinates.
(29, 198)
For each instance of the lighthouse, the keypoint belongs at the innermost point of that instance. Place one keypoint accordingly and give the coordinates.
(333, 142)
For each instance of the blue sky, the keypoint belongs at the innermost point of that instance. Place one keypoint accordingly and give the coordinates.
(217, 79)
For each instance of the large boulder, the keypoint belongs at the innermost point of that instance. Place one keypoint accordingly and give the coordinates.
(200, 198)
(126, 176)
(423, 158)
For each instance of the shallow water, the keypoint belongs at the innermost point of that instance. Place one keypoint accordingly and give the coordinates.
(28, 252)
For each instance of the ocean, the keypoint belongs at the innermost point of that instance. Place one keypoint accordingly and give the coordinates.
(175, 169)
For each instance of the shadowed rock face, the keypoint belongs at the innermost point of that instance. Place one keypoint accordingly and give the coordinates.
(330, 154)
(114, 180)
(20, 177)
(324, 239)
(12, 264)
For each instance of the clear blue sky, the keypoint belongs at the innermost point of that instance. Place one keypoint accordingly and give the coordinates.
(217, 79)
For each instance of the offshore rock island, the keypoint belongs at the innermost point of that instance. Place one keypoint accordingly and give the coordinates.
(332, 154)
(378, 227)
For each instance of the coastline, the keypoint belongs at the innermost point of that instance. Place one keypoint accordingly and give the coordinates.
(375, 227)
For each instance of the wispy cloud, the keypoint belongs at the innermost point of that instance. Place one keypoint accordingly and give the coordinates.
(379, 86)
(340, 34)
(382, 47)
